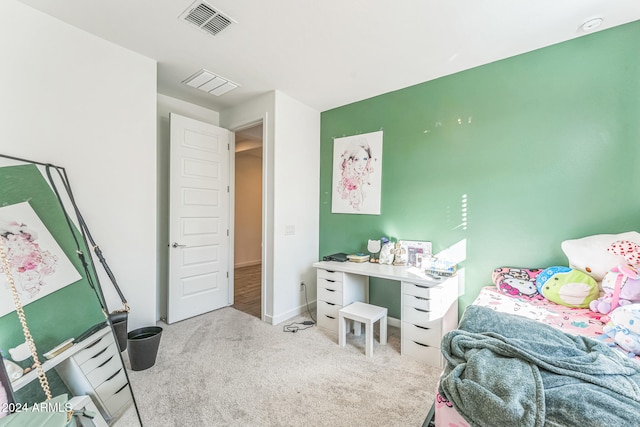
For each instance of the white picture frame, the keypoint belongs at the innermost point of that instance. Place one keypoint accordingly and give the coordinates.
(413, 248)
(357, 174)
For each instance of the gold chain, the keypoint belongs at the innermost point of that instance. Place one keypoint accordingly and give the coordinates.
(23, 321)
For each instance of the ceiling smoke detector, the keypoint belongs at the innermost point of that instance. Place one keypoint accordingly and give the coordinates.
(206, 18)
(591, 24)
(209, 82)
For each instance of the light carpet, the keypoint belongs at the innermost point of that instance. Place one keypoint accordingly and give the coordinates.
(227, 368)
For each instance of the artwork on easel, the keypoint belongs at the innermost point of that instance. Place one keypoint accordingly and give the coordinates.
(357, 174)
(38, 264)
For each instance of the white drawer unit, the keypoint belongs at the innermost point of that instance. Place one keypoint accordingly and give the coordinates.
(428, 312)
(335, 290)
(97, 371)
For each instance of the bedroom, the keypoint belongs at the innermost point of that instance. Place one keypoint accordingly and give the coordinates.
(510, 158)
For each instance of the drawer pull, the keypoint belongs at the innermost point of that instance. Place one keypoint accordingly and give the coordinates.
(330, 290)
(419, 309)
(330, 303)
(330, 317)
(98, 354)
(422, 298)
(113, 376)
(421, 286)
(423, 345)
(121, 388)
(422, 327)
(329, 280)
(105, 362)
(330, 271)
(94, 343)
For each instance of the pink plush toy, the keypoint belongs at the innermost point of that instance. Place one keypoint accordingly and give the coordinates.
(621, 286)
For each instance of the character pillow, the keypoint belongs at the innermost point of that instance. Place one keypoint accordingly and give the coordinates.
(567, 286)
(591, 255)
(516, 281)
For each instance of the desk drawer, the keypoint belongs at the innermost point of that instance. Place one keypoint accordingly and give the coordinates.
(417, 316)
(100, 358)
(431, 355)
(104, 371)
(328, 309)
(422, 335)
(95, 349)
(328, 315)
(330, 295)
(330, 284)
(112, 385)
(119, 400)
(430, 292)
(434, 306)
(330, 275)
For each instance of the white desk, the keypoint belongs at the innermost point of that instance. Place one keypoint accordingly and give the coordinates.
(429, 307)
(92, 367)
(383, 271)
(54, 362)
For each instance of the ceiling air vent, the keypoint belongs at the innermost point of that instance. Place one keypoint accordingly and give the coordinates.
(206, 18)
(209, 82)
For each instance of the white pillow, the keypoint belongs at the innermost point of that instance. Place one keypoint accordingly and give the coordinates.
(589, 254)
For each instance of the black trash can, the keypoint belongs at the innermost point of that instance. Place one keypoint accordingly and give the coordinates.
(119, 324)
(143, 346)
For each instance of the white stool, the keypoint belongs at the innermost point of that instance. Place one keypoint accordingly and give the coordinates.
(362, 313)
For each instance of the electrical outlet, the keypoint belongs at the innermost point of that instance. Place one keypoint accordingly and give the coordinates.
(302, 285)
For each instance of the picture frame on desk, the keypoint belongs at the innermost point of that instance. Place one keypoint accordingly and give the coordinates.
(414, 248)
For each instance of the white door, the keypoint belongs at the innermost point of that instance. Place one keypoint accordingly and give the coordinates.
(198, 219)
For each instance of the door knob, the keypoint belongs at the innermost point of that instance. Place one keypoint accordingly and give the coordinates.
(175, 245)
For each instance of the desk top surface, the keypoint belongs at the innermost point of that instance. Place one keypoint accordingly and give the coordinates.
(383, 271)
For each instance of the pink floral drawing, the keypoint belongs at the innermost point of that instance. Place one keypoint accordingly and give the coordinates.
(39, 265)
(357, 174)
(30, 264)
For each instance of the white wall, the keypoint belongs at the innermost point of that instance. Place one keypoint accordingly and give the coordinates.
(166, 105)
(296, 204)
(72, 99)
(291, 171)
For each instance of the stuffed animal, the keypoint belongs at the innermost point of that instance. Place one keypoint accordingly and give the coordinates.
(624, 328)
(516, 281)
(621, 286)
(567, 286)
(386, 252)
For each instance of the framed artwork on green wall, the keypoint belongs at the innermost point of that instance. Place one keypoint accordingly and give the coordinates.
(357, 174)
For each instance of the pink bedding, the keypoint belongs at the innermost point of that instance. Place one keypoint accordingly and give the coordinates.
(575, 321)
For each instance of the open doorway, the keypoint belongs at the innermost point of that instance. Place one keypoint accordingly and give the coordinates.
(248, 221)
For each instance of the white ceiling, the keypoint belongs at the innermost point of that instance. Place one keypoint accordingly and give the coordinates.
(330, 53)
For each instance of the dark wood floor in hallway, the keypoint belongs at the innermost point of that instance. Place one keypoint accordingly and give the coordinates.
(248, 290)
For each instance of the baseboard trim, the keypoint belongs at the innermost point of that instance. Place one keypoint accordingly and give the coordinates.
(300, 310)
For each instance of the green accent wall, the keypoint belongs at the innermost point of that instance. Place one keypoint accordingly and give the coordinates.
(69, 311)
(542, 147)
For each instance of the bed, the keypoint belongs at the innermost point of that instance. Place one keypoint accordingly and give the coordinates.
(501, 308)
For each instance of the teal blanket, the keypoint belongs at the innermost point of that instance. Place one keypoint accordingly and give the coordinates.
(506, 370)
